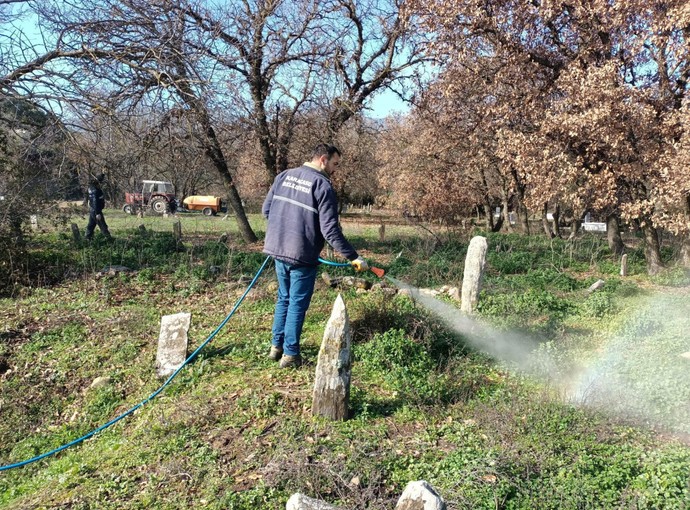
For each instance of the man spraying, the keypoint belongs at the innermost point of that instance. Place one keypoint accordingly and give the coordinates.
(302, 212)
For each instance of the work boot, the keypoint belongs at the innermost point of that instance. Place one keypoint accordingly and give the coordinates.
(275, 353)
(288, 361)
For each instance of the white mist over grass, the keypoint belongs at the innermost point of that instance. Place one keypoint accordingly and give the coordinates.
(641, 372)
(515, 349)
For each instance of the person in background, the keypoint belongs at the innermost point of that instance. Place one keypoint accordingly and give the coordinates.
(302, 212)
(96, 204)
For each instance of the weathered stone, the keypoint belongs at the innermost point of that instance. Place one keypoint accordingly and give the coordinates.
(475, 261)
(358, 283)
(420, 495)
(387, 291)
(599, 284)
(330, 280)
(34, 222)
(76, 235)
(624, 265)
(172, 343)
(454, 293)
(405, 292)
(301, 502)
(429, 292)
(177, 230)
(100, 382)
(244, 279)
(347, 281)
(331, 396)
(113, 270)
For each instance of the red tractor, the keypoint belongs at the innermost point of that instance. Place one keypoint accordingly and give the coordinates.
(157, 195)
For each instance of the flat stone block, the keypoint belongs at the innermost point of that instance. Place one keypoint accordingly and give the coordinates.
(172, 343)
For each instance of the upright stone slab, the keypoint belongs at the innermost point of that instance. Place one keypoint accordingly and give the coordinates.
(177, 230)
(172, 343)
(624, 265)
(474, 271)
(332, 384)
(382, 232)
(420, 496)
(76, 235)
(34, 222)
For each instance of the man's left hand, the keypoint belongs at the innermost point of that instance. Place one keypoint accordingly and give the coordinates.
(360, 264)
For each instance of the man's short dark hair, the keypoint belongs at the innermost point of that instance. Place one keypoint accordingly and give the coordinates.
(324, 149)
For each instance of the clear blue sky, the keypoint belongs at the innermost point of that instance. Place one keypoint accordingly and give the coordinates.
(386, 103)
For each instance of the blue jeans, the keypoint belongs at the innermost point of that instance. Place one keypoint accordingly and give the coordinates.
(295, 288)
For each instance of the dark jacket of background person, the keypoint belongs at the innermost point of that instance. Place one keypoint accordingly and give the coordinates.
(96, 205)
(96, 197)
(302, 212)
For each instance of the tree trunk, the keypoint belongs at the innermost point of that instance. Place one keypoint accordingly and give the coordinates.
(523, 218)
(498, 223)
(545, 221)
(216, 155)
(613, 233)
(214, 151)
(574, 228)
(506, 214)
(556, 227)
(685, 252)
(685, 248)
(521, 209)
(652, 249)
(489, 219)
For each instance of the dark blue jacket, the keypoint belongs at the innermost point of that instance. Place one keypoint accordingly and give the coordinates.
(302, 212)
(96, 198)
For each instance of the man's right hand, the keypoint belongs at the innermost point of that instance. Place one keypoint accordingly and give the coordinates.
(99, 217)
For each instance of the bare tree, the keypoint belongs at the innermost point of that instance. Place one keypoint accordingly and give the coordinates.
(268, 62)
(129, 56)
(377, 47)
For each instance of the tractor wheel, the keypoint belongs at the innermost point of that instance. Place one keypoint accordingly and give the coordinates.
(159, 205)
(207, 211)
(128, 208)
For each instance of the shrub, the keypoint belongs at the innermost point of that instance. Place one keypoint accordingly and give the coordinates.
(530, 303)
(597, 304)
(672, 277)
(404, 366)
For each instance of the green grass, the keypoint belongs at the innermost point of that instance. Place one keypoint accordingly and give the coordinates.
(234, 431)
